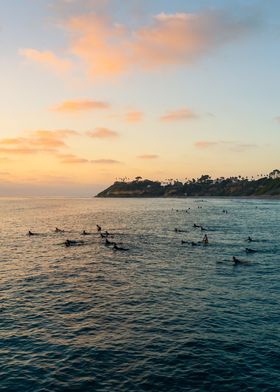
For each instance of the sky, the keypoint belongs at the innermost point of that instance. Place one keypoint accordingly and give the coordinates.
(97, 90)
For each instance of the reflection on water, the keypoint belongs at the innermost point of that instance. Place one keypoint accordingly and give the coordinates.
(161, 317)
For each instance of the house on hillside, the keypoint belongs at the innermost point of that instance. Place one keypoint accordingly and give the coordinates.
(274, 174)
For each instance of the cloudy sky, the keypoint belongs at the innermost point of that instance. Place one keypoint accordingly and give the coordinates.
(94, 90)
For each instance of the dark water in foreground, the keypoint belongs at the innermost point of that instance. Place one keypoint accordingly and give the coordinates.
(160, 317)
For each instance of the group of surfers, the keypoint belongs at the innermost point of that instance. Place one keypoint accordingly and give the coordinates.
(205, 241)
(103, 235)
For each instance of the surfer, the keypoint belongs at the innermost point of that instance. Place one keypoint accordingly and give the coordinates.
(235, 260)
(98, 228)
(69, 243)
(249, 250)
(57, 230)
(108, 243)
(116, 247)
(73, 243)
(205, 240)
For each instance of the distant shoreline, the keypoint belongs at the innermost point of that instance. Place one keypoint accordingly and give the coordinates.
(253, 197)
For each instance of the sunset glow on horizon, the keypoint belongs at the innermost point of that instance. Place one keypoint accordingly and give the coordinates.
(95, 90)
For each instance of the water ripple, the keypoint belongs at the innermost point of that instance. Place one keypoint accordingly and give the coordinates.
(161, 317)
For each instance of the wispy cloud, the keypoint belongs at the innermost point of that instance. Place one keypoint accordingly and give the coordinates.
(205, 144)
(37, 141)
(105, 161)
(229, 145)
(129, 116)
(240, 147)
(79, 105)
(147, 156)
(170, 39)
(11, 141)
(103, 133)
(72, 159)
(133, 116)
(277, 119)
(19, 150)
(59, 133)
(108, 48)
(178, 115)
(48, 59)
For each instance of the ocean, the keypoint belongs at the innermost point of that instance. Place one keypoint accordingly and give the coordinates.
(161, 316)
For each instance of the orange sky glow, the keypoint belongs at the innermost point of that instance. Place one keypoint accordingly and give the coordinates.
(92, 93)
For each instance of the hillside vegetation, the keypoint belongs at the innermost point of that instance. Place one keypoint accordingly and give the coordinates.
(203, 186)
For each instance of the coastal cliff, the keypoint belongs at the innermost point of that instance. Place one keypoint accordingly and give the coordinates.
(204, 186)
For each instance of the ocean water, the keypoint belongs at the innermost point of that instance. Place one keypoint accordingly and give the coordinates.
(163, 316)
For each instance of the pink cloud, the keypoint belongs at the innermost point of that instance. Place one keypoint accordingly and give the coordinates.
(147, 156)
(80, 105)
(36, 141)
(108, 48)
(182, 38)
(105, 161)
(99, 43)
(59, 133)
(130, 116)
(232, 146)
(11, 141)
(18, 150)
(72, 159)
(178, 115)
(47, 59)
(133, 116)
(102, 133)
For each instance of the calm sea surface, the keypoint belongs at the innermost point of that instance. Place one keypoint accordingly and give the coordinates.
(160, 317)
